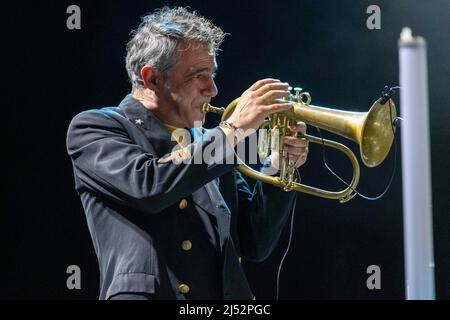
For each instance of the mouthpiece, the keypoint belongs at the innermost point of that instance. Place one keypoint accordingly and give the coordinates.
(209, 108)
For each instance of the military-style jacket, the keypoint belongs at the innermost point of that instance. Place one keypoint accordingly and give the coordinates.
(173, 230)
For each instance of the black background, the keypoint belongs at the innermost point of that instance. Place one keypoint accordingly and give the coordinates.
(323, 46)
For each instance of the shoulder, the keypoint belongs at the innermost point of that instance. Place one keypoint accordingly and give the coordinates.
(104, 119)
(93, 124)
(96, 116)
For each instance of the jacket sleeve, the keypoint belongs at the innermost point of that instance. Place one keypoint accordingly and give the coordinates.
(261, 218)
(109, 162)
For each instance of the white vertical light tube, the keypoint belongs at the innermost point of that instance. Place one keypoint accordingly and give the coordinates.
(416, 168)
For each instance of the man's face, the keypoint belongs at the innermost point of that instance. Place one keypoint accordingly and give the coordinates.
(189, 83)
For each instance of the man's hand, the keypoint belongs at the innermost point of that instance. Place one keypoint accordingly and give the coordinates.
(297, 147)
(258, 102)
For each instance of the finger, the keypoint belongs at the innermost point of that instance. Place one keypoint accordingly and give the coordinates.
(270, 96)
(296, 151)
(260, 83)
(299, 127)
(296, 142)
(277, 107)
(300, 161)
(292, 158)
(271, 86)
(297, 161)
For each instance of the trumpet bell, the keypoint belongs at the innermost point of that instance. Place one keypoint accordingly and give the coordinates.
(372, 130)
(377, 133)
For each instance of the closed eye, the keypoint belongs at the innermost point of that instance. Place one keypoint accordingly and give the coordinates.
(204, 75)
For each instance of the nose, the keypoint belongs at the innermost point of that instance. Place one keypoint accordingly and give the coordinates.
(210, 89)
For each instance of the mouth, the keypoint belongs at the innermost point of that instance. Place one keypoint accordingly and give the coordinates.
(203, 106)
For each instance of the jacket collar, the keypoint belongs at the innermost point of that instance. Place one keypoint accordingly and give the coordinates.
(152, 127)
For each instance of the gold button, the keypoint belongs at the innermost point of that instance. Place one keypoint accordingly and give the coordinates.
(184, 288)
(240, 259)
(186, 245)
(183, 204)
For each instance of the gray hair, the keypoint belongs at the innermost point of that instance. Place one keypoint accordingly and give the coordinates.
(156, 39)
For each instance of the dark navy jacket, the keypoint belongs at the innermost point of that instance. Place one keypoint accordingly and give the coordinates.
(175, 231)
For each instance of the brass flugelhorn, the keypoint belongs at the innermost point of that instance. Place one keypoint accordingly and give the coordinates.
(372, 130)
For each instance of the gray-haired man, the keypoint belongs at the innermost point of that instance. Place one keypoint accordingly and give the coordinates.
(175, 230)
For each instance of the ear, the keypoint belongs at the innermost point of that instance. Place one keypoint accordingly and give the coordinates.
(150, 76)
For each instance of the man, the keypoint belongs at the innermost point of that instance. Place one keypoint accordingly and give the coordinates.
(175, 230)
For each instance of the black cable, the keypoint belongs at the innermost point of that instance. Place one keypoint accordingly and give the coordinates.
(387, 93)
(289, 241)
